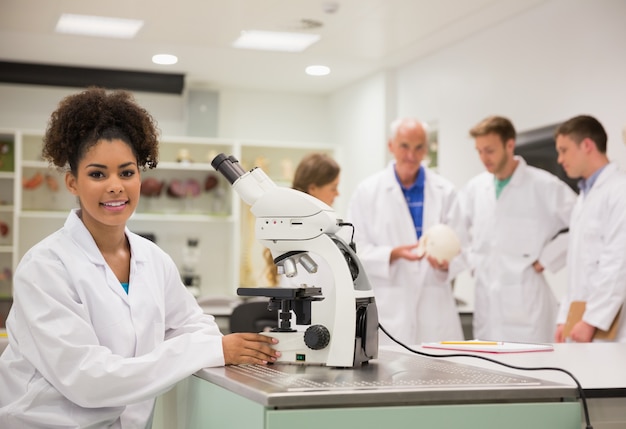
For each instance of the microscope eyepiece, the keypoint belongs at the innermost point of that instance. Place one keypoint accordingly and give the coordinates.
(228, 166)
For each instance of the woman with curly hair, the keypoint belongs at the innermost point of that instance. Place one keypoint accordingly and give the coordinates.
(101, 323)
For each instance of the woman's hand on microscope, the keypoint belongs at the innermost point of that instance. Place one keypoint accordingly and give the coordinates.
(251, 348)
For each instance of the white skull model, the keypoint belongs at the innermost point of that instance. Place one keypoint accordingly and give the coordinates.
(439, 241)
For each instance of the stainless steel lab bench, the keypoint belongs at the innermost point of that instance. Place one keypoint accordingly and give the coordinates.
(397, 390)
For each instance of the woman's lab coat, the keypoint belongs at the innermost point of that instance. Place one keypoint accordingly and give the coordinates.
(415, 303)
(502, 239)
(84, 354)
(597, 252)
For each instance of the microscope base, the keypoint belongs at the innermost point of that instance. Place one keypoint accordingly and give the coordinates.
(294, 351)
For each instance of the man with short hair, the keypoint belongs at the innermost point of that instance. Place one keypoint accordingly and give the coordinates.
(507, 218)
(597, 241)
(390, 210)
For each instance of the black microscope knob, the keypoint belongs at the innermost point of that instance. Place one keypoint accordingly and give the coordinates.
(316, 337)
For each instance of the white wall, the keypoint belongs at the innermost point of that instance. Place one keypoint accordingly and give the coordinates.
(359, 117)
(274, 116)
(30, 106)
(242, 114)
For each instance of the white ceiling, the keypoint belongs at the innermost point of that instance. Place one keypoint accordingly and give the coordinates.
(360, 38)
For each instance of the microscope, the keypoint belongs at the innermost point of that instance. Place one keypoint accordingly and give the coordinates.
(338, 322)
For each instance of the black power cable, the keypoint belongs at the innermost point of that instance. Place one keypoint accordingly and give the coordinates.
(581, 392)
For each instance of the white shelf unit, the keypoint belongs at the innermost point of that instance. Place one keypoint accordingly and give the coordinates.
(7, 214)
(214, 217)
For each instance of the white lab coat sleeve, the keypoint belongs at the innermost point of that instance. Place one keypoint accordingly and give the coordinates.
(562, 200)
(374, 256)
(459, 220)
(564, 305)
(183, 314)
(553, 256)
(61, 343)
(608, 288)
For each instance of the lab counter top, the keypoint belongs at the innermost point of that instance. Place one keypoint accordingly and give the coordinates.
(599, 367)
(403, 388)
(394, 378)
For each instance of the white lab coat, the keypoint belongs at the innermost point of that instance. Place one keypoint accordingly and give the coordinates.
(415, 302)
(84, 354)
(502, 238)
(597, 252)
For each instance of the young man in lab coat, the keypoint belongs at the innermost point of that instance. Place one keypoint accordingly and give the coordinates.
(597, 241)
(508, 218)
(389, 211)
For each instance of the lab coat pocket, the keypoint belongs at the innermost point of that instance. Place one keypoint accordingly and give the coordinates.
(518, 247)
(592, 242)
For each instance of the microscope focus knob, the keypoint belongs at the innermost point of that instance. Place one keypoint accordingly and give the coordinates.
(316, 337)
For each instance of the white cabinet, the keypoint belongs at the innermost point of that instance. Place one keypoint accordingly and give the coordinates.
(34, 202)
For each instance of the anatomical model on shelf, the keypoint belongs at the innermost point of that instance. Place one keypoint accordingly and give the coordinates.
(181, 194)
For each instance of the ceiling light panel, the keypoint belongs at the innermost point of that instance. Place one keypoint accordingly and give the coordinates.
(99, 26)
(275, 41)
(317, 70)
(164, 59)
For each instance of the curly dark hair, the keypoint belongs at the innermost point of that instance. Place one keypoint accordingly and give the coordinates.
(82, 119)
